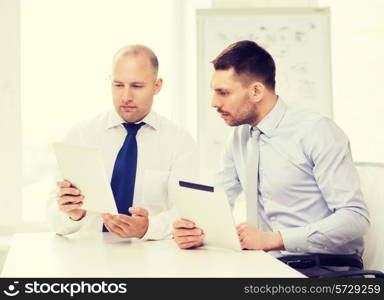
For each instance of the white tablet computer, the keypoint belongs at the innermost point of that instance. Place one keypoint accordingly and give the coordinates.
(209, 209)
(83, 167)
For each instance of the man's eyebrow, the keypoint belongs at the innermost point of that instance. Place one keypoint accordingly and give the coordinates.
(134, 82)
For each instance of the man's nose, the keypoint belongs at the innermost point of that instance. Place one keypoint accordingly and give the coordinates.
(215, 102)
(127, 95)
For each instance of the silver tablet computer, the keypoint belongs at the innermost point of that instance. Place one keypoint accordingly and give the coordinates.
(209, 209)
(83, 167)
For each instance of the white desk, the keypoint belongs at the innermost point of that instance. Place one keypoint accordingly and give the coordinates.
(103, 255)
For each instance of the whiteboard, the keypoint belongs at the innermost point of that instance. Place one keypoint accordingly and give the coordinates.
(297, 38)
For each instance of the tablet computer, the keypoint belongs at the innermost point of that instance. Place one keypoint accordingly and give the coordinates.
(84, 168)
(209, 209)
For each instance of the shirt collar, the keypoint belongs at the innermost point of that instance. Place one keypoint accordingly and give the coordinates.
(150, 119)
(272, 120)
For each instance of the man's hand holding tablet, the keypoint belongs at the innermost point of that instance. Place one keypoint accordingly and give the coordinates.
(70, 200)
(187, 235)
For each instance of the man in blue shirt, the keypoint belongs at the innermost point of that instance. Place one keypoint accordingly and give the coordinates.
(304, 203)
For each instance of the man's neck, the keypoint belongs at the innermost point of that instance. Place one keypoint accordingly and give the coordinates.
(265, 107)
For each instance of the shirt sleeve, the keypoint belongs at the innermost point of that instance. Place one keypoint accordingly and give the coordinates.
(327, 147)
(227, 177)
(185, 167)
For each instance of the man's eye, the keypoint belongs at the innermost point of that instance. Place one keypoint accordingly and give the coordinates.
(118, 85)
(221, 93)
(137, 86)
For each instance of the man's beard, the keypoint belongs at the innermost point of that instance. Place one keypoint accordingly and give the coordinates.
(247, 117)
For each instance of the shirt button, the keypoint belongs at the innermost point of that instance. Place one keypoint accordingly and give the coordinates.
(273, 219)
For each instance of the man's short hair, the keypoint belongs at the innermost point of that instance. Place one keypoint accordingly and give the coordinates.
(138, 50)
(250, 62)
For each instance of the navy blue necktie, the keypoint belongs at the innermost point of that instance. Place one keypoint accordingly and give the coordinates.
(124, 171)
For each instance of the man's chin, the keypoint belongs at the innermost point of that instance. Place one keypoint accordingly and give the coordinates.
(231, 122)
(234, 123)
(130, 117)
(228, 120)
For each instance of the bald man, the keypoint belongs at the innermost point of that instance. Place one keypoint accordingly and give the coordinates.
(142, 151)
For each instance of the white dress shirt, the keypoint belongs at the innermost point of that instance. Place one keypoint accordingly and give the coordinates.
(165, 152)
(309, 188)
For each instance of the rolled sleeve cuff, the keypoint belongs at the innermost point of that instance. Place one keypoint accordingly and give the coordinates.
(295, 239)
(63, 224)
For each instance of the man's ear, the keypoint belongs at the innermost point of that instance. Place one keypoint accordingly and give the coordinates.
(257, 91)
(158, 85)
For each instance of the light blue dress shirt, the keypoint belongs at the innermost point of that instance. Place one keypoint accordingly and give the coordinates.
(309, 188)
